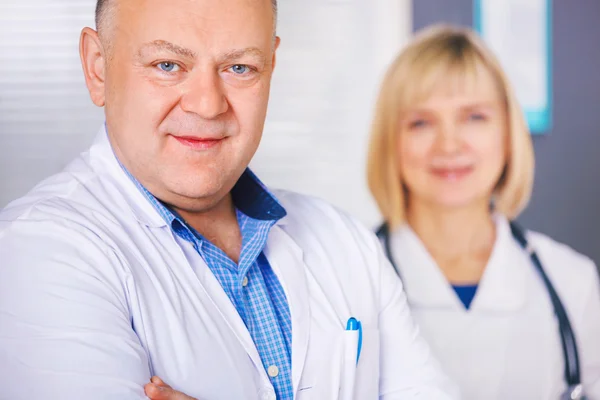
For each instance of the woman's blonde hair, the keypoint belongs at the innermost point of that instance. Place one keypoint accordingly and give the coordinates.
(411, 78)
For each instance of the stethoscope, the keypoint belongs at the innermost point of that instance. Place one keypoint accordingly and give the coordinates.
(567, 338)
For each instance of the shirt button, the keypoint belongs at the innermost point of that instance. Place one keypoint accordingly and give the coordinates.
(245, 281)
(273, 371)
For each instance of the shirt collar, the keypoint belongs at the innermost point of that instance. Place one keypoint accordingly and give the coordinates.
(250, 196)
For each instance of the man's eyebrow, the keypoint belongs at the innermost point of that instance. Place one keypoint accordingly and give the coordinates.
(166, 46)
(249, 51)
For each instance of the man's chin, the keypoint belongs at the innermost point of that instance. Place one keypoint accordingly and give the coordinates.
(196, 193)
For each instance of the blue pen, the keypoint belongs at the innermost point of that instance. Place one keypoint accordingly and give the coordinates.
(354, 325)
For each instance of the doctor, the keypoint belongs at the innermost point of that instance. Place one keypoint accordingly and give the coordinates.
(157, 252)
(451, 164)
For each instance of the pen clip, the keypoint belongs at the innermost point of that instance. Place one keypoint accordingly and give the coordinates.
(352, 324)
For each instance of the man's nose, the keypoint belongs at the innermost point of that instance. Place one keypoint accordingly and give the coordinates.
(204, 95)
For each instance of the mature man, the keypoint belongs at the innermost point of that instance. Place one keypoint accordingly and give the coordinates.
(157, 252)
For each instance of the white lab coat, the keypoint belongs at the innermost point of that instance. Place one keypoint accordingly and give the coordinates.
(97, 294)
(507, 345)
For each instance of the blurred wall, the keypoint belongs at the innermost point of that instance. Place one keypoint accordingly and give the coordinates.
(46, 117)
(566, 196)
(332, 56)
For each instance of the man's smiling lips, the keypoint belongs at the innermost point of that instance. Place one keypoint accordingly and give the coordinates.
(199, 143)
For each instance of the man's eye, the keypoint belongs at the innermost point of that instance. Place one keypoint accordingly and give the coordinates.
(240, 69)
(167, 66)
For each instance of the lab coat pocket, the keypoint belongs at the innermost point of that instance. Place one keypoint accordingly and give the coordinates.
(351, 346)
(322, 372)
(327, 376)
(366, 380)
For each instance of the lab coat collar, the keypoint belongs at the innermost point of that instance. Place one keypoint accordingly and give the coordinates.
(502, 287)
(105, 162)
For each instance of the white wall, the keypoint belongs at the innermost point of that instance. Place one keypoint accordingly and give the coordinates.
(330, 62)
(46, 116)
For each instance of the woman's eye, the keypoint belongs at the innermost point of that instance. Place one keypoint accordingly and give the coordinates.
(167, 66)
(477, 117)
(418, 123)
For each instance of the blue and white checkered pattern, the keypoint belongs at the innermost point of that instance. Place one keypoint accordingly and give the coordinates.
(262, 303)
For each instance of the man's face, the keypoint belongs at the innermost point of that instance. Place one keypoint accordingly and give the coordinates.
(186, 90)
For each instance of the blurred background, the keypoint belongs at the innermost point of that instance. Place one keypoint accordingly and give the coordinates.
(331, 60)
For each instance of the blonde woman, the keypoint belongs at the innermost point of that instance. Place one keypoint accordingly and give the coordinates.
(510, 314)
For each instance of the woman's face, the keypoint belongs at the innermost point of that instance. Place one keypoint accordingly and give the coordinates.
(452, 146)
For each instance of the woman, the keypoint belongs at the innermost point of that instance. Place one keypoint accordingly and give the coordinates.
(450, 165)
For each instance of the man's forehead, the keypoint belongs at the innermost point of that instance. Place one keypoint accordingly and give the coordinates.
(107, 10)
(224, 6)
(194, 18)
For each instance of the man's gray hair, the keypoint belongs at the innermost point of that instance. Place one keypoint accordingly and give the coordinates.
(103, 8)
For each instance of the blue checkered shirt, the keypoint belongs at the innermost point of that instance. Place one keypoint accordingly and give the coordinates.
(261, 303)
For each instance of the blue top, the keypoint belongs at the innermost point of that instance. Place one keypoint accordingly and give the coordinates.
(465, 293)
(262, 303)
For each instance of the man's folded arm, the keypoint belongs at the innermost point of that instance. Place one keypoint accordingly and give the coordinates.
(65, 330)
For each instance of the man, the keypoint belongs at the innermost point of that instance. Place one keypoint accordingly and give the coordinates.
(157, 252)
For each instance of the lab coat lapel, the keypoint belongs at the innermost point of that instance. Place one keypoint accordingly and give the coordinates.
(223, 304)
(424, 283)
(103, 159)
(503, 286)
(502, 291)
(105, 164)
(287, 261)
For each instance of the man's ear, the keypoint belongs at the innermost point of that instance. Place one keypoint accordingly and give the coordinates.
(93, 62)
(275, 47)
